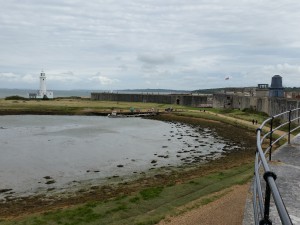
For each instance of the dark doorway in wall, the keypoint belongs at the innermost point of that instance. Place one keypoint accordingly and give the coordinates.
(178, 101)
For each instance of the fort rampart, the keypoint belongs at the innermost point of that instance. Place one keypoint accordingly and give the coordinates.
(179, 99)
(269, 105)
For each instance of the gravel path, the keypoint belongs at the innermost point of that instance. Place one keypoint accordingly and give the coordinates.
(227, 210)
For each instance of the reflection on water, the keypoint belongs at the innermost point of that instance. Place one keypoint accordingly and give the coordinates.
(38, 152)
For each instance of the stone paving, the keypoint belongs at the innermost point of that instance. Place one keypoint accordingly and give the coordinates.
(286, 165)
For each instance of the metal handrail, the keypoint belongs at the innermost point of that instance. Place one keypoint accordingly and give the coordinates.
(262, 198)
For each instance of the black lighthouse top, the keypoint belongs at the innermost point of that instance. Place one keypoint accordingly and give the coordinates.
(276, 82)
(276, 89)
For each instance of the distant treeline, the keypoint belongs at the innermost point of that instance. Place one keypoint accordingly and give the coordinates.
(292, 88)
(216, 90)
(154, 90)
(17, 97)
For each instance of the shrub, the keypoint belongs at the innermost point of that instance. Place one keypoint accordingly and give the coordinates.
(15, 97)
(253, 111)
(276, 122)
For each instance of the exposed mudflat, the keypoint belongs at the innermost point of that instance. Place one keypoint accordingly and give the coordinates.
(182, 152)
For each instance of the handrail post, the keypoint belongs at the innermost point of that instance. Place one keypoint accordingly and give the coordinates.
(271, 138)
(289, 136)
(266, 220)
(298, 116)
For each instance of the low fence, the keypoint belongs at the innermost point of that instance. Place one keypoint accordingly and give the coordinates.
(264, 186)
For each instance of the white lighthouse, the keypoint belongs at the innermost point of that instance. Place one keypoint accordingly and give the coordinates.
(42, 93)
(43, 90)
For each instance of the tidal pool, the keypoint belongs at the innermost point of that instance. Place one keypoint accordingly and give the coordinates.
(44, 152)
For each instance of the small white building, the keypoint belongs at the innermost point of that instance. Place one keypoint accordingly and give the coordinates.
(42, 93)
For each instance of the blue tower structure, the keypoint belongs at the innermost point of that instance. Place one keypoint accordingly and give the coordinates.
(276, 89)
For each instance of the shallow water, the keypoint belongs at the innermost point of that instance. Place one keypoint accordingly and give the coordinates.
(71, 149)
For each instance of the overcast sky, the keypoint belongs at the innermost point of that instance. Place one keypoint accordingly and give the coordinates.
(172, 44)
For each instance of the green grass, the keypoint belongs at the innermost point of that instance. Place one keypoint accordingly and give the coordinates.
(148, 206)
(245, 114)
(151, 193)
(77, 106)
(215, 117)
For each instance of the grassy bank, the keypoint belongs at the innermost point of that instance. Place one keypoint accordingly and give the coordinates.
(76, 107)
(233, 117)
(89, 107)
(148, 206)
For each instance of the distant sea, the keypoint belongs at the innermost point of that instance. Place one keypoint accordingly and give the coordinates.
(84, 93)
(57, 93)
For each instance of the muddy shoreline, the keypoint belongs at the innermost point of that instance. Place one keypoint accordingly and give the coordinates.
(18, 207)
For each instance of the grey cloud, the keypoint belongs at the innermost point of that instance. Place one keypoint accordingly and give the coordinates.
(179, 42)
(8, 76)
(154, 59)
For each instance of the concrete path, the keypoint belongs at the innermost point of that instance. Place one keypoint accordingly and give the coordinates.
(286, 165)
(287, 169)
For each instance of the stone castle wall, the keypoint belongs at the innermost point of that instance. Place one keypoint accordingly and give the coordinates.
(269, 105)
(185, 100)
